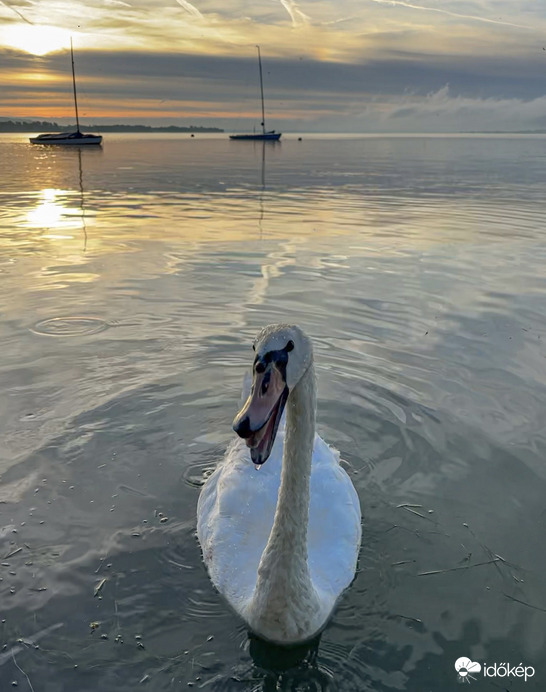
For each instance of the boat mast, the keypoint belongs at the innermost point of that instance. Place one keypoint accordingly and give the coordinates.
(74, 85)
(261, 89)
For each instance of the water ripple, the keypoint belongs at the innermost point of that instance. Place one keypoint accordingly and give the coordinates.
(70, 326)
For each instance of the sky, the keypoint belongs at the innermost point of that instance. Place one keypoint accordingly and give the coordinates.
(329, 65)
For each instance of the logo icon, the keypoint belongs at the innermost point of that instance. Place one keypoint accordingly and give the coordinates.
(466, 668)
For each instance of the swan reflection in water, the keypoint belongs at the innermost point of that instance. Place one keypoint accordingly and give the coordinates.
(284, 668)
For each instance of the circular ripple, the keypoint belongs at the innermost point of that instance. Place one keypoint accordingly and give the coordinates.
(196, 474)
(70, 326)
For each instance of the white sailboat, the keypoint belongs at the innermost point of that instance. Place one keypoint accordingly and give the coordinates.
(270, 136)
(79, 138)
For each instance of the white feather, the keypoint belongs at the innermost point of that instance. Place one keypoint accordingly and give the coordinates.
(235, 516)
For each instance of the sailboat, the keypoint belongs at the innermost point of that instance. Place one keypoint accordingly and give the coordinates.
(76, 137)
(270, 136)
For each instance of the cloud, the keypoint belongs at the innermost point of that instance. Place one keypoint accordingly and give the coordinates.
(393, 95)
(376, 27)
(381, 58)
(442, 111)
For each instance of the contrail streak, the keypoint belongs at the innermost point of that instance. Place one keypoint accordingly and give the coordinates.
(17, 13)
(400, 3)
(339, 21)
(190, 8)
(296, 15)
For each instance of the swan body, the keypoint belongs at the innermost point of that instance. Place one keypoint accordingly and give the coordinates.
(280, 544)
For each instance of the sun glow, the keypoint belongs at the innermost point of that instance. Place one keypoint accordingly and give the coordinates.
(37, 40)
(53, 212)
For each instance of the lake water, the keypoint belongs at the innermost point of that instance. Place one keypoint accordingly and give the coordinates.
(132, 281)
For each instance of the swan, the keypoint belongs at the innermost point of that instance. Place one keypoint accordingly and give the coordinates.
(280, 545)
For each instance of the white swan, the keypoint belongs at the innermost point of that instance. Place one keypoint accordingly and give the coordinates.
(282, 544)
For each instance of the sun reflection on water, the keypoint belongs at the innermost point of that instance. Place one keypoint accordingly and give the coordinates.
(55, 211)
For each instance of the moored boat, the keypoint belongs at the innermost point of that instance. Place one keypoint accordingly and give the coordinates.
(270, 136)
(78, 138)
(264, 136)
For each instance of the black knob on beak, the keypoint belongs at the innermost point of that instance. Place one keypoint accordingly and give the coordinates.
(242, 427)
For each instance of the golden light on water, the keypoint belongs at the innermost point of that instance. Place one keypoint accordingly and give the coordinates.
(55, 222)
(36, 40)
(48, 213)
(53, 214)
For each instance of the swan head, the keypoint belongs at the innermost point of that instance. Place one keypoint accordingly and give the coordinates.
(283, 354)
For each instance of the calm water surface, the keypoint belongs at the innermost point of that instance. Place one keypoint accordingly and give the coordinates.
(133, 279)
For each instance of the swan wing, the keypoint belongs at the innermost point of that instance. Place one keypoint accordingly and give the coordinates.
(234, 518)
(236, 510)
(334, 532)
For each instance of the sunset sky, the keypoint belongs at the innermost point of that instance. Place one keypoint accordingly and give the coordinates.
(341, 65)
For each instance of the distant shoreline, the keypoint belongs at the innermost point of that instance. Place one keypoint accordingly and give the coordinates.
(26, 126)
(45, 126)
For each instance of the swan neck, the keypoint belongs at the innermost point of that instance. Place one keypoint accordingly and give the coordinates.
(298, 452)
(284, 583)
(292, 513)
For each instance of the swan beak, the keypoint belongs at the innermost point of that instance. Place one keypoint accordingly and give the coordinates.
(257, 422)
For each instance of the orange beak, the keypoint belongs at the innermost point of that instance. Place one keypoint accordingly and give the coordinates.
(257, 422)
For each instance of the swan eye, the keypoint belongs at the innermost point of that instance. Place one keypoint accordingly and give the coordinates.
(260, 367)
(289, 346)
(254, 347)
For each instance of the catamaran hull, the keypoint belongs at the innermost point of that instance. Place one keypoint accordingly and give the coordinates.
(267, 137)
(72, 139)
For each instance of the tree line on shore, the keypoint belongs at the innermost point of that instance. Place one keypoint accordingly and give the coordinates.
(45, 126)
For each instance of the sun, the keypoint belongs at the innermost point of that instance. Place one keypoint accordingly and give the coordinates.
(37, 40)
